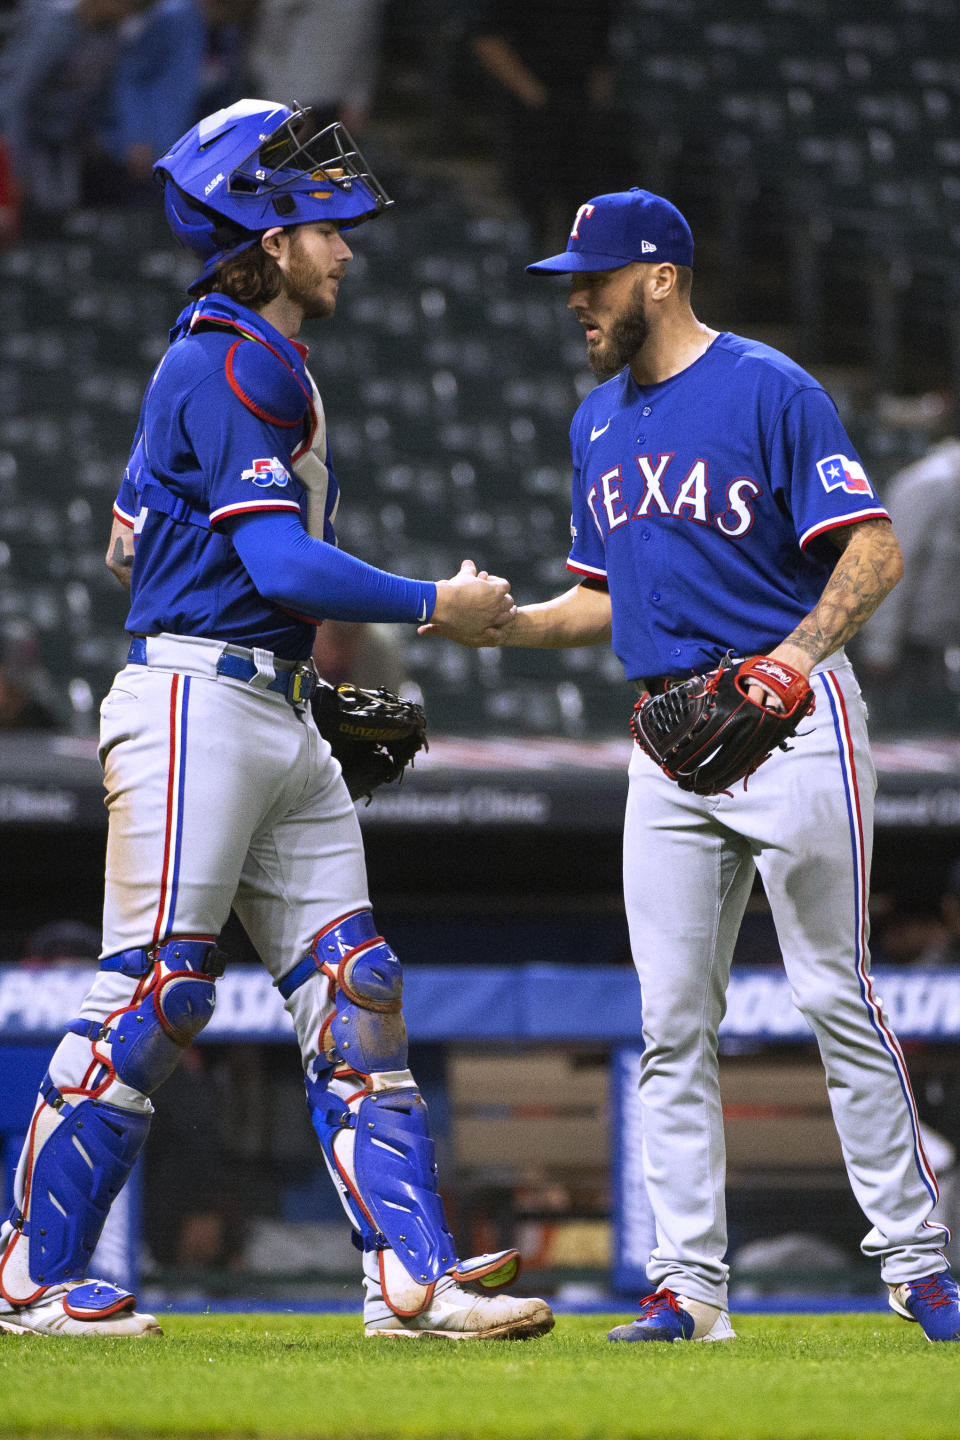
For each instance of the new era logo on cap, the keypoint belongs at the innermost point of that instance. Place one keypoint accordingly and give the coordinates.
(617, 229)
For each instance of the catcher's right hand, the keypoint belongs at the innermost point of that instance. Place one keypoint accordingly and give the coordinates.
(709, 732)
(472, 608)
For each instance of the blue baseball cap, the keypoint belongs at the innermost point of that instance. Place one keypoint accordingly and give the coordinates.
(614, 230)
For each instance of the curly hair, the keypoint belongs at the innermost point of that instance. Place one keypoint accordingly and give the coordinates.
(252, 278)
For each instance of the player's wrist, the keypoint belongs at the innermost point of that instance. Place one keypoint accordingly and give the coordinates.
(799, 657)
(440, 613)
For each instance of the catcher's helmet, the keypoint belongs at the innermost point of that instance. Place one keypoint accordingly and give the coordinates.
(255, 165)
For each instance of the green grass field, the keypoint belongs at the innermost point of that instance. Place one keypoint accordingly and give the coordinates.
(860, 1376)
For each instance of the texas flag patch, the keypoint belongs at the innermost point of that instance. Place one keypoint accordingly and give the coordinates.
(839, 473)
(267, 472)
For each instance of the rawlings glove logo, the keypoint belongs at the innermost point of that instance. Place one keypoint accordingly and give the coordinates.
(783, 673)
(267, 472)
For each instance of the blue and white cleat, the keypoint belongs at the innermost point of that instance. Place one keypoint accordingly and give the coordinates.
(933, 1301)
(668, 1317)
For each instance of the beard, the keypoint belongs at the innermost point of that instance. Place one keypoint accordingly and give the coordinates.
(303, 284)
(626, 337)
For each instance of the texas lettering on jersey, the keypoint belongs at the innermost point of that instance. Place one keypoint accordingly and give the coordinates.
(686, 495)
(706, 502)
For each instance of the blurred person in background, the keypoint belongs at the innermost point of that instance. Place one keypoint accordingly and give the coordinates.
(23, 683)
(154, 94)
(291, 54)
(911, 639)
(944, 947)
(365, 654)
(223, 73)
(92, 91)
(552, 73)
(54, 68)
(61, 942)
(904, 929)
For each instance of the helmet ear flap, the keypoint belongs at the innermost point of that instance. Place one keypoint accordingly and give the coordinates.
(200, 229)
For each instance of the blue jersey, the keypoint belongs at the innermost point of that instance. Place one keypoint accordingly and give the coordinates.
(227, 416)
(704, 501)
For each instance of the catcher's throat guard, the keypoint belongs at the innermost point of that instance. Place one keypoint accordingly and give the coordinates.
(706, 733)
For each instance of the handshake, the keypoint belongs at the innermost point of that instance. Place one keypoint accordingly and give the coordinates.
(473, 608)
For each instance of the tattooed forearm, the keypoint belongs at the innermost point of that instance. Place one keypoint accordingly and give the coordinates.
(868, 569)
(119, 556)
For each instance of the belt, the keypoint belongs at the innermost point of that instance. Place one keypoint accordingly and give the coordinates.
(295, 682)
(658, 684)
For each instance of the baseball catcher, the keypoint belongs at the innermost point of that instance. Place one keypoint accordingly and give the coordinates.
(372, 733)
(709, 732)
(220, 795)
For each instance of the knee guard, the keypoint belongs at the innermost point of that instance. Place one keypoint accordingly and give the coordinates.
(144, 1042)
(366, 1030)
(81, 1155)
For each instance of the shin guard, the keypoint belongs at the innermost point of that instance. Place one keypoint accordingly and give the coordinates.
(80, 1157)
(371, 1121)
(89, 1126)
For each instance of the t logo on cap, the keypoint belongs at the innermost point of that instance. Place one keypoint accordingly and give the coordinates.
(625, 226)
(584, 211)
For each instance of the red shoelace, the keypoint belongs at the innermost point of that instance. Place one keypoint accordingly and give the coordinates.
(660, 1300)
(932, 1292)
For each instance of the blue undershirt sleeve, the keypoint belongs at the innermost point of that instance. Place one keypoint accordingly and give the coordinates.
(315, 579)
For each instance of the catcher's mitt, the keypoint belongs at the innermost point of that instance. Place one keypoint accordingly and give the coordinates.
(373, 733)
(706, 733)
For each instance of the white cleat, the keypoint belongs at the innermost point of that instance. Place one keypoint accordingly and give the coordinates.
(709, 1321)
(88, 1307)
(456, 1313)
(398, 1306)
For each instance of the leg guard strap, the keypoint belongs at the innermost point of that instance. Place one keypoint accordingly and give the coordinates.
(176, 954)
(145, 1041)
(337, 943)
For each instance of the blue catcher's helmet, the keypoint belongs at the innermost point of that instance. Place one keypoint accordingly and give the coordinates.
(256, 165)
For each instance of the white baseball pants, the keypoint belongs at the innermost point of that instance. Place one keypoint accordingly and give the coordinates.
(220, 793)
(805, 822)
